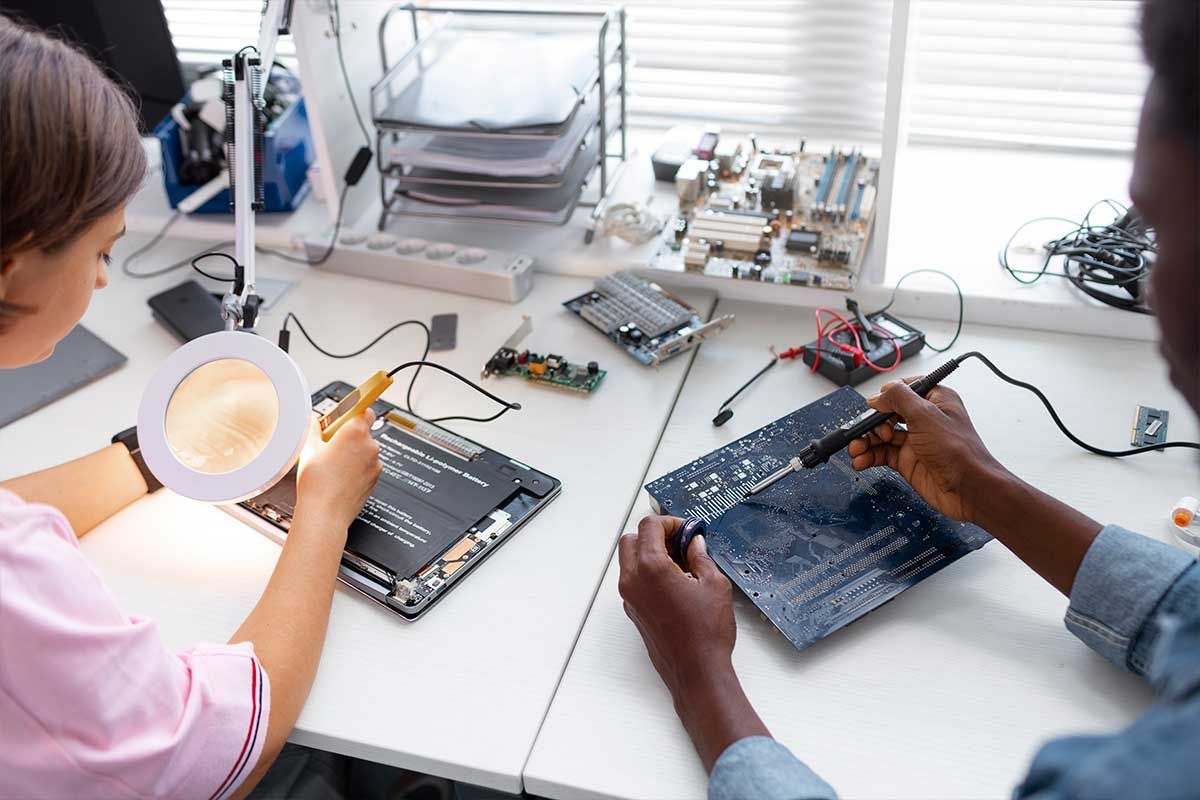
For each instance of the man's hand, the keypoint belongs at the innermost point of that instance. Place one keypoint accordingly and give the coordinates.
(336, 477)
(940, 454)
(686, 622)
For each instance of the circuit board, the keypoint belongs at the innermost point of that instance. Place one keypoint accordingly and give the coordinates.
(1149, 426)
(821, 548)
(548, 370)
(643, 319)
(777, 216)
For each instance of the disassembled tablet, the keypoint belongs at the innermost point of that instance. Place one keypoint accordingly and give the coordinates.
(643, 319)
(825, 547)
(442, 505)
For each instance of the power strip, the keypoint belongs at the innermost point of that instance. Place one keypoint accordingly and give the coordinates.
(476, 271)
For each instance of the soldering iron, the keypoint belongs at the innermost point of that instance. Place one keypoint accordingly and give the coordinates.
(821, 450)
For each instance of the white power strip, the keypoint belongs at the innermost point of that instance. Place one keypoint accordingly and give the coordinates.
(475, 271)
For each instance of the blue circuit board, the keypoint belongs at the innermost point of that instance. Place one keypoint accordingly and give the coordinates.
(823, 547)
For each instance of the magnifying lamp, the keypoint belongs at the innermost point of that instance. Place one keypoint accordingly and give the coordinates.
(227, 414)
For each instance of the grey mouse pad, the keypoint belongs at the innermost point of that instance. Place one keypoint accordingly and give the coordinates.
(78, 360)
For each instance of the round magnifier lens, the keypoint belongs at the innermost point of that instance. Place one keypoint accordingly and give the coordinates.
(221, 416)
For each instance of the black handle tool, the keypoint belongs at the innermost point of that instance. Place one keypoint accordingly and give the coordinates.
(821, 450)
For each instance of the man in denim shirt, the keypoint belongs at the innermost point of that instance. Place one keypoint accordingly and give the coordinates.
(1134, 600)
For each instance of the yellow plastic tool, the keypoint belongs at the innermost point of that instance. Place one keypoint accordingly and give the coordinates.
(356, 402)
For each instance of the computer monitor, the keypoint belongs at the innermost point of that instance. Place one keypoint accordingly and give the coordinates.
(129, 37)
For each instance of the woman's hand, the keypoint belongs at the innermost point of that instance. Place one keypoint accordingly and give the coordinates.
(938, 451)
(336, 477)
(686, 622)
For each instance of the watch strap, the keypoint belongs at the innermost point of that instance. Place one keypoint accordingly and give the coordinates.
(128, 437)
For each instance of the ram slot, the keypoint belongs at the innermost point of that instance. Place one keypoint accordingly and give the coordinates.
(831, 161)
(847, 180)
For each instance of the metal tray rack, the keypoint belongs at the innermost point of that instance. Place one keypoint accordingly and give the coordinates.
(603, 96)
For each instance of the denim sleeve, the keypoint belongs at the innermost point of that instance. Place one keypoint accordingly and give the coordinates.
(1120, 584)
(760, 768)
(1155, 756)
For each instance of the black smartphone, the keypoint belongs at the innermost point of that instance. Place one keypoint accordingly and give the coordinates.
(188, 311)
(443, 332)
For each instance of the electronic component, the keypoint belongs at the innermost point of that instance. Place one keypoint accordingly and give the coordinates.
(690, 180)
(550, 370)
(642, 318)
(842, 353)
(806, 217)
(821, 550)
(802, 241)
(1149, 426)
(668, 158)
(441, 506)
(706, 147)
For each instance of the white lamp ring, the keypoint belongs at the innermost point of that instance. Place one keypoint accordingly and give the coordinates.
(276, 452)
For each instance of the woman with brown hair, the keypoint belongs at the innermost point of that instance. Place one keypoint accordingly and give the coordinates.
(92, 703)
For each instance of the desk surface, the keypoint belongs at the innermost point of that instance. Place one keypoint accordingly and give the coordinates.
(462, 692)
(943, 693)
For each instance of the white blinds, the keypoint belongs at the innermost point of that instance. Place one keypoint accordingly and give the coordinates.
(206, 31)
(807, 67)
(1042, 73)
(1062, 74)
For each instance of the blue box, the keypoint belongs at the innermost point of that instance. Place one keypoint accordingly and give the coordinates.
(288, 152)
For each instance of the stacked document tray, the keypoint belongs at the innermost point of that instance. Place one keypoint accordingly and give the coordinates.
(500, 115)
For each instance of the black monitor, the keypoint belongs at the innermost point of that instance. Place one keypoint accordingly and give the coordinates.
(129, 37)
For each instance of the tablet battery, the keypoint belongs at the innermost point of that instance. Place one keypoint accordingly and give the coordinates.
(425, 499)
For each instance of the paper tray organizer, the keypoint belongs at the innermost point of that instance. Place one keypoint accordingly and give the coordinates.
(497, 114)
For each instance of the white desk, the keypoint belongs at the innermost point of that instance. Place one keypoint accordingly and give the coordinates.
(943, 693)
(462, 692)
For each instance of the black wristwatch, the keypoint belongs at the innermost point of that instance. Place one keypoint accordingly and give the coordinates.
(128, 437)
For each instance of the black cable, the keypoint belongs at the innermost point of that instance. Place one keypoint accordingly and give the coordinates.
(957, 289)
(220, 278)
(366, 347)
(434, 365)
(336, 21)
(1106, 262)
(1058, 421)
(321, 259)
(158, 237)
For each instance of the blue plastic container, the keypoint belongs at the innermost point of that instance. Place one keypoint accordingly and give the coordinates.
(287, 154)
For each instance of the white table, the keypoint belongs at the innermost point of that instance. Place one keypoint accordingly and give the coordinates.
(943, 693)
(462, 692)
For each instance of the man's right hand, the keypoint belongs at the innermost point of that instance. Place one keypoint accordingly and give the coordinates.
(336, 477)
(937, 451)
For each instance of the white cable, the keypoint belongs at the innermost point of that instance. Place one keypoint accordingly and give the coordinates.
(632, 222)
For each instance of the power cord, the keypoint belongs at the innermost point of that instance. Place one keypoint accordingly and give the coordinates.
(285, 342)
(507, 406)
(1058, 420)
(1106, 262)
(958, 291)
